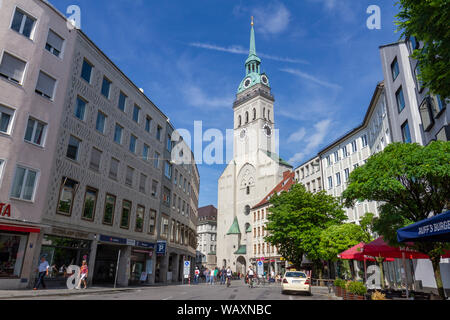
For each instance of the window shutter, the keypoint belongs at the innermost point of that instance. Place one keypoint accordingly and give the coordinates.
(55, 41)
(12, 67)
(45, 84)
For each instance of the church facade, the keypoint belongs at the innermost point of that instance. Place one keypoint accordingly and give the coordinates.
(255, 168)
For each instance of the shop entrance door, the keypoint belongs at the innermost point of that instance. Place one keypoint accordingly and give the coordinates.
(106, 264)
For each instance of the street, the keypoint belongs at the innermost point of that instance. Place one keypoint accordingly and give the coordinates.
(237, 291)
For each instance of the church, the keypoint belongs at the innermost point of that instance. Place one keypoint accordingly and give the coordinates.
(255, 168)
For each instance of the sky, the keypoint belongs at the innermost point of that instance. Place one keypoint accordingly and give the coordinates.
(322, 61)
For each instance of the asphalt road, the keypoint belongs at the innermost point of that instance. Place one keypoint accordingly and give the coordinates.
(237, 291)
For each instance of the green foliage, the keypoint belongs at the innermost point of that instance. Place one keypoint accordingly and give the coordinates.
(297, 219)
(367, 225)
(338, 238)
(428, 20)
(357, 288)
(339, 283)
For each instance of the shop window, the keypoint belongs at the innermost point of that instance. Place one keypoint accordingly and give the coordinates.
(66, 196)
(140, 219)
(90, 201)
(110, 206)
(152, 222)
(12, 247)
(126, 211)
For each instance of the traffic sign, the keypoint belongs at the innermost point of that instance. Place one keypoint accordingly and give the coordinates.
(187, 269)
(260, 268)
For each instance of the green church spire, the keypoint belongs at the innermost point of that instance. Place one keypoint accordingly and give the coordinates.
(252, 41)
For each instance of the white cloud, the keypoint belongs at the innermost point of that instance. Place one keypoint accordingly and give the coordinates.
(272, 19)
(297, 157)
(240, 50)
(309, 77)
(297, 136)
(196, 97)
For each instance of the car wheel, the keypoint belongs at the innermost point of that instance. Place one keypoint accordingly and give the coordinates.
(283, 292)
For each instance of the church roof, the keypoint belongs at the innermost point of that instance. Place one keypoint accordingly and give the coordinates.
(234, 229)
(284, 185)
(277, 158)
(242, 250)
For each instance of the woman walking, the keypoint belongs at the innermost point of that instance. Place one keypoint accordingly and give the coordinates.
(83, 275)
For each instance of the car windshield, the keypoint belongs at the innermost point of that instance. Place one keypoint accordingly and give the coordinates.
(295, 275)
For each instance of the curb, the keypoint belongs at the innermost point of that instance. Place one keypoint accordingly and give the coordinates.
(68, 293)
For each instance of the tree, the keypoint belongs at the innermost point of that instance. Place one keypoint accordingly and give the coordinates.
(412, 183)
(297, 219)
(427, 20)
(367, 224)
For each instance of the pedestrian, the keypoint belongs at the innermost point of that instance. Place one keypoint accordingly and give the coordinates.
(223, 273)
(207, 273)
(250, 276)
(42, 272)
(216, 275)
(83, 275)
(196, 275)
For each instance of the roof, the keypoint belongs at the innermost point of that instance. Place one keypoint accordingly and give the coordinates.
(285, 184)
(242, 250)
(234, 229)
(276, 157)
(207, 211)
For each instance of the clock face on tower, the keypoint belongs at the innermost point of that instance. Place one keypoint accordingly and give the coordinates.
(267, 130)
(264, 79)
(247, 83)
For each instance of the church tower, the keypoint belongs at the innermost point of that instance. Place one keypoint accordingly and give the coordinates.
(255, 168)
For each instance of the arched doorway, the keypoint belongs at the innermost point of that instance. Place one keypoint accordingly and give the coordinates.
(241, 265)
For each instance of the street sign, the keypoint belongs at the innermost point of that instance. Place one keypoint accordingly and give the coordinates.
(161, 248)
(187, 269)
(260, 268)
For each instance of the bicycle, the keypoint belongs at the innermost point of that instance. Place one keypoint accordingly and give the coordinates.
(228, 282)
(250, 282)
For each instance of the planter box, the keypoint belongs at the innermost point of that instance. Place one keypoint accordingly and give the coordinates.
(338, 291)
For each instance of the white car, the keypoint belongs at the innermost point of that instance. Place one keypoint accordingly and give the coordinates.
(296, 281)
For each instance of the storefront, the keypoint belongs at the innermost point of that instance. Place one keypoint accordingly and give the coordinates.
(15, 259)
(141, 265)
(62, 252)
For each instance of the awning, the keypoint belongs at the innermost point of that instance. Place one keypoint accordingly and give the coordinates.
(355, 253)
(434, 229)
(8, 227)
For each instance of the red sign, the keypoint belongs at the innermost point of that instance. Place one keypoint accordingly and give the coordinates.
(5, 209)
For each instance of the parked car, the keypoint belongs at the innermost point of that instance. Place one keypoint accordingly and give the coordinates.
(296, 281)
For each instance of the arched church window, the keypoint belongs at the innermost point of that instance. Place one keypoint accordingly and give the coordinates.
(264, 113)
(254, 114)
(240, 121)
(248, 190)
(247, 225)
(247, 210)
(268, 115)
(253, 67)
(246, 117)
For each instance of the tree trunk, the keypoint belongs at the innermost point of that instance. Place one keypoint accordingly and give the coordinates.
(380, 264)
(437, 275)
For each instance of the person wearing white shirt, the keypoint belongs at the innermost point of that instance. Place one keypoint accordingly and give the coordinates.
(43, 271)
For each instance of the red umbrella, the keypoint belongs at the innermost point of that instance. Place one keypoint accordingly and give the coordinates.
(355, 253)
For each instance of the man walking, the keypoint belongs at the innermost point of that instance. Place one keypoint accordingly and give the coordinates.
(196, 275)
(43, 271)
(223, 275)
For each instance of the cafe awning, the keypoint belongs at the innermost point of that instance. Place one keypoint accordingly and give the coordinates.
(434, 229)
(355, 253)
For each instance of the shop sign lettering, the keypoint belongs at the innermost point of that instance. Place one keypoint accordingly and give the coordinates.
(5, 209)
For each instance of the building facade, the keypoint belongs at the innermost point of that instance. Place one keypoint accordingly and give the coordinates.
(254, 169)
(207, 237)
(100, 183)
(309, 174)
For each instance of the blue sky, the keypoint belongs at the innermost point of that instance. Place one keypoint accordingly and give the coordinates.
(188, 56)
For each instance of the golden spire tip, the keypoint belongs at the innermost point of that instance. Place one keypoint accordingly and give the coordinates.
(252, 21)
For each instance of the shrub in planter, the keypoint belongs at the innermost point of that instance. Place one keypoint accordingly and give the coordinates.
(357, 289)
(339, 284)
(377, 295)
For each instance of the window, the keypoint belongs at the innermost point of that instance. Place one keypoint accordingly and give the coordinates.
(438, 103)
(106, 87)
(414, 43)
(400, 100)
(100, 123)
(6, 117)
(12, 256)
(24, 183)
(122, 101)
(66, 195)
(86, 71)
(139, 219)
(354, 146)
(73, 148)
(406, 135)
(152, 222)
(174, 203)
(344, 152)
(2, 163)
(110, 207)
(148, 123)
(418, 81)
(394, 69)
(125, 217)
(80, 108)
(54, 43)
(156, 160)
(158, 133)
(346, 174)
(329, 160)
(254, 114)
(338, 179)
(145, 152)
(168, 170)
(154, 188)
(129, 176)
(336, 156)
(426, 113)
(12, 68)
(113, 168)
(330, 183)
(166, 196)
(246, 117)
(45, 86)
(355, 166)
(90, 200)
(23, 23)
(364, 140)
(133, 140)
(173, 231)
(164, 232)
(118, 134)
(96, 156)
(142, 183)
(169, 143)
(240, 121)
(176, 176)
(136, 111)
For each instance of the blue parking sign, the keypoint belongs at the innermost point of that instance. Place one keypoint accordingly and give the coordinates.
(161, 248)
